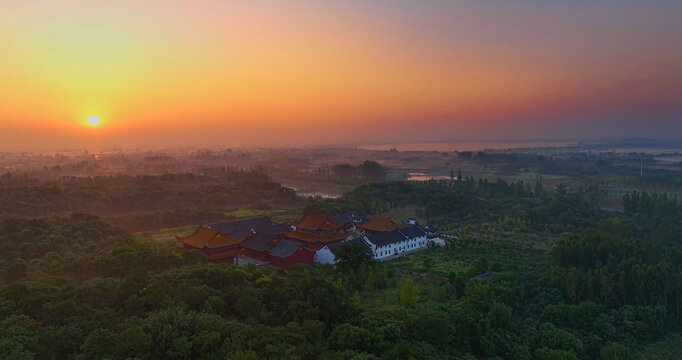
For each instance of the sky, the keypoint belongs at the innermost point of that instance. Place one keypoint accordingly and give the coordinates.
(308, 73)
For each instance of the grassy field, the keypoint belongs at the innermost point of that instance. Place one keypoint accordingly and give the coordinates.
(164, 236)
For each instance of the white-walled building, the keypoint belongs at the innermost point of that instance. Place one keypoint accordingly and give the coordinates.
(382, 245)
(397, 242)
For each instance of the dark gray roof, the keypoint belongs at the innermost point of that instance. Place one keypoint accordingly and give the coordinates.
(412, 231)
(397, 235)
(283, 249)
(386, 238)
(260, 242)
(274, 228)
(341, 219)
(240, 229)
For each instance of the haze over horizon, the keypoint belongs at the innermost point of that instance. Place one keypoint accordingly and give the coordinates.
(303, 73)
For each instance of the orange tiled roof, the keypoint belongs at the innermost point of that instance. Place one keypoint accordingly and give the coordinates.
(380, 224)
(313, 222)
(204, 237)
(312, 238)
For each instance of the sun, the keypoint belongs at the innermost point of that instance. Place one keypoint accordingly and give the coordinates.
(93, 120)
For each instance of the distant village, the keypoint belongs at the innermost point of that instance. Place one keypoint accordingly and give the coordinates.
(313, 239)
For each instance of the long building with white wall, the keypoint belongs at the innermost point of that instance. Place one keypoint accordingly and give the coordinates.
(397, 242)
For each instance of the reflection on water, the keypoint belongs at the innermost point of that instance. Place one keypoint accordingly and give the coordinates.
(420, 176)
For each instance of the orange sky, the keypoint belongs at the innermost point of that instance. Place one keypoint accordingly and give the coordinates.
(284, 73)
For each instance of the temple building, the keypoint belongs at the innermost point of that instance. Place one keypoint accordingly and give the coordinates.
(272, 250)
(285, 254)
(216, 246)
(222, 242)
(317, 224)
(378, 224)
(243, 229)
(257, 247)
(315, 231)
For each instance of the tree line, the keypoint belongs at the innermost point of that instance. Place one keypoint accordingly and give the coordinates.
(122, 194)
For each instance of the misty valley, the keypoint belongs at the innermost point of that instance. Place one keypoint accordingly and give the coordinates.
(340, 180)
(542, 253)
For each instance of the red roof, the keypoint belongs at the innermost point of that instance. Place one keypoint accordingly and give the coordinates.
(204, 237)
(313, 222)
(379, 224)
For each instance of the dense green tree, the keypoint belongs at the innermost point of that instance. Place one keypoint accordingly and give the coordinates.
(347, 336)
(99, 345)
(355, 261)
(408, 293)
(615, 351)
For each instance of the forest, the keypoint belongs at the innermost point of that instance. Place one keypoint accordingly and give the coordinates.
(621, 169)
(528, 274)
(115, 195)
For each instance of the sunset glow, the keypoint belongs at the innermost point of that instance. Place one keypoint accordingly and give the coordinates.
(264, 73)
(93, 120)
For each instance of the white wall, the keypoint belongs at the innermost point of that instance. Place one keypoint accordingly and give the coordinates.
(324, 256)
(399, 248)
